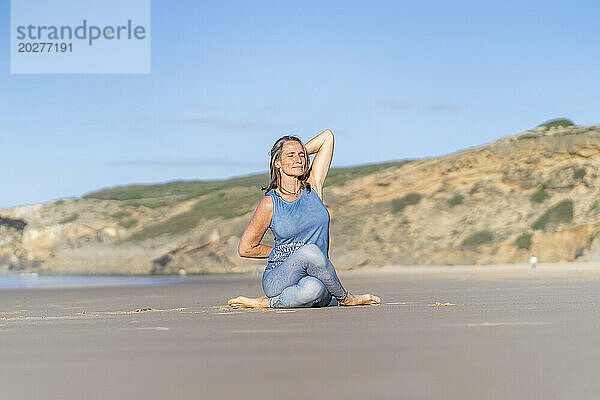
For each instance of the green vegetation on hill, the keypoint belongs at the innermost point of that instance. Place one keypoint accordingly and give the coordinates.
(121, 214)
(557, 123)
(560, 212)
(221, 204)
(176, 190)
(579, 173)
(70, 218)
(540, 195)
(524, 241)
(128, 223)
(166, 194)
(456, 200)
(398, 205)
(594, 208)
(339, 176)
(473, 241)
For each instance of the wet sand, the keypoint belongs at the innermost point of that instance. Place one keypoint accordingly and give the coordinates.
(502, 332)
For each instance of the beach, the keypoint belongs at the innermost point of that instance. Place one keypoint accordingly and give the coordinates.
(462, 332)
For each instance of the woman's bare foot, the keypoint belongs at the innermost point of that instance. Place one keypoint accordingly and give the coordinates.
(361, 299)
(247, 302)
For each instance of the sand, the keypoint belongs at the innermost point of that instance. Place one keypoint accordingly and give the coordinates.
(454, 333)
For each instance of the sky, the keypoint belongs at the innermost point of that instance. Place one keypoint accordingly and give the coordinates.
(392, 79)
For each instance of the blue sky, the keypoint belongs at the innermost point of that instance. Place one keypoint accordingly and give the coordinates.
(392, 80)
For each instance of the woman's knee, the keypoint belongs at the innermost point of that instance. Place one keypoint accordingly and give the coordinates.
(270, 289)
(311, 289)
(313, 254)
(269, 292)
(324, 300)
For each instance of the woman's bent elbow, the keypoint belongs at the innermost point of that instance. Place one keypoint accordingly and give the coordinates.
(242, 251)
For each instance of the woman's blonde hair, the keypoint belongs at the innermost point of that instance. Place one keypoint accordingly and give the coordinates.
(276, 174)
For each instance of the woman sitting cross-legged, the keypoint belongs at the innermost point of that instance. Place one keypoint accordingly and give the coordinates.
(299, 272)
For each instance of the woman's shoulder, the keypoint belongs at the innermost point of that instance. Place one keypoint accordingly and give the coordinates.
(270, 194)
(266, 204)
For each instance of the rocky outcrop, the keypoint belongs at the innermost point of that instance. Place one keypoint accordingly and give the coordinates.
(14, 223)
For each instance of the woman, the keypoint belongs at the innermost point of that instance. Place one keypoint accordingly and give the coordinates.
(299, 272)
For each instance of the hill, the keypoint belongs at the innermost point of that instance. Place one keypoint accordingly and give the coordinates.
(534, 193)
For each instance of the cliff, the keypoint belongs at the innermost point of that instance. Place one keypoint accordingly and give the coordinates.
(534, 193)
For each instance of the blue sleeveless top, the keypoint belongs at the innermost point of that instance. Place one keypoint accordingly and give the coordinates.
(296, 223)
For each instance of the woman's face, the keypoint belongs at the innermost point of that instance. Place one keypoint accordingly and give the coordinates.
(292, 161)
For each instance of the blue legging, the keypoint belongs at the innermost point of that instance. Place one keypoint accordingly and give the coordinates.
(306, 278)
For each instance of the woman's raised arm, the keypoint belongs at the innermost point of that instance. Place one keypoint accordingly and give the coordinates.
(322, 144)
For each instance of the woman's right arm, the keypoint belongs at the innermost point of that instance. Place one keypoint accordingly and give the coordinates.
(250, 242)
